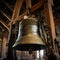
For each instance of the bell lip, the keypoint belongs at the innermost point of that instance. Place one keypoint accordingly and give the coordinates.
(27, 47)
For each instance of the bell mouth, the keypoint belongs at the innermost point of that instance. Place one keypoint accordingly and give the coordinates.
(27, 47)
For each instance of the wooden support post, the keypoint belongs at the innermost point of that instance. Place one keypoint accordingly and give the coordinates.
(28, 3)
(12, 38)
(50, 20)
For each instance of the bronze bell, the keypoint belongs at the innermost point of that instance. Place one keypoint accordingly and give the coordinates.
(28, 37)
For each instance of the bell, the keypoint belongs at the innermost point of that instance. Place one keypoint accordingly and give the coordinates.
(28, 37)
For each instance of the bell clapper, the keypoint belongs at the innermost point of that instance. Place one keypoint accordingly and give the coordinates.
(30, 51)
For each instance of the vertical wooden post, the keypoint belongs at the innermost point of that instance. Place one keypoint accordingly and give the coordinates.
(11, 55)
(50, 21)
(28, 3)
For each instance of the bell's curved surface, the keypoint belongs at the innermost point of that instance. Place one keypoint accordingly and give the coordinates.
(28, 37)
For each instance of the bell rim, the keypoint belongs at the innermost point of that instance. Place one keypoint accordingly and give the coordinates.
(27, 47)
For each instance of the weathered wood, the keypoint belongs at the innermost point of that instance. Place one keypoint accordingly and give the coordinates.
(7, 5)
(11, 55)
(4, 25)
(33, 8)
(37, 5)
(11, 39)
(28, 3)
(5, 15)
(50, 20)
(17, 9)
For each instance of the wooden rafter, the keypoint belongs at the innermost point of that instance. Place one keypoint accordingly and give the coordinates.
(17, 9)
(33, 8)
(7, 5)
(4, 25)
(15, 12)
(38, 5)
(5, 15)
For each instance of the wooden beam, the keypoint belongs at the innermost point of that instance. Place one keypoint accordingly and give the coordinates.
(28, 3)
(51, 2)
(17, 9)
(50, 20)
(37, 5)
(5, 15)
(33, 8)
(15, 14)
(7, 5)
(4, 25)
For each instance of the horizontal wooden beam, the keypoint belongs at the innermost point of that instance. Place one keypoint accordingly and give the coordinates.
(4, 25)
(33, 8)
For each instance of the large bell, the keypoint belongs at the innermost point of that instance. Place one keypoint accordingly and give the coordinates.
(28, 37)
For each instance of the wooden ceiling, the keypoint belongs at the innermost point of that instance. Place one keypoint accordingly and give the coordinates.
(12, 10)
